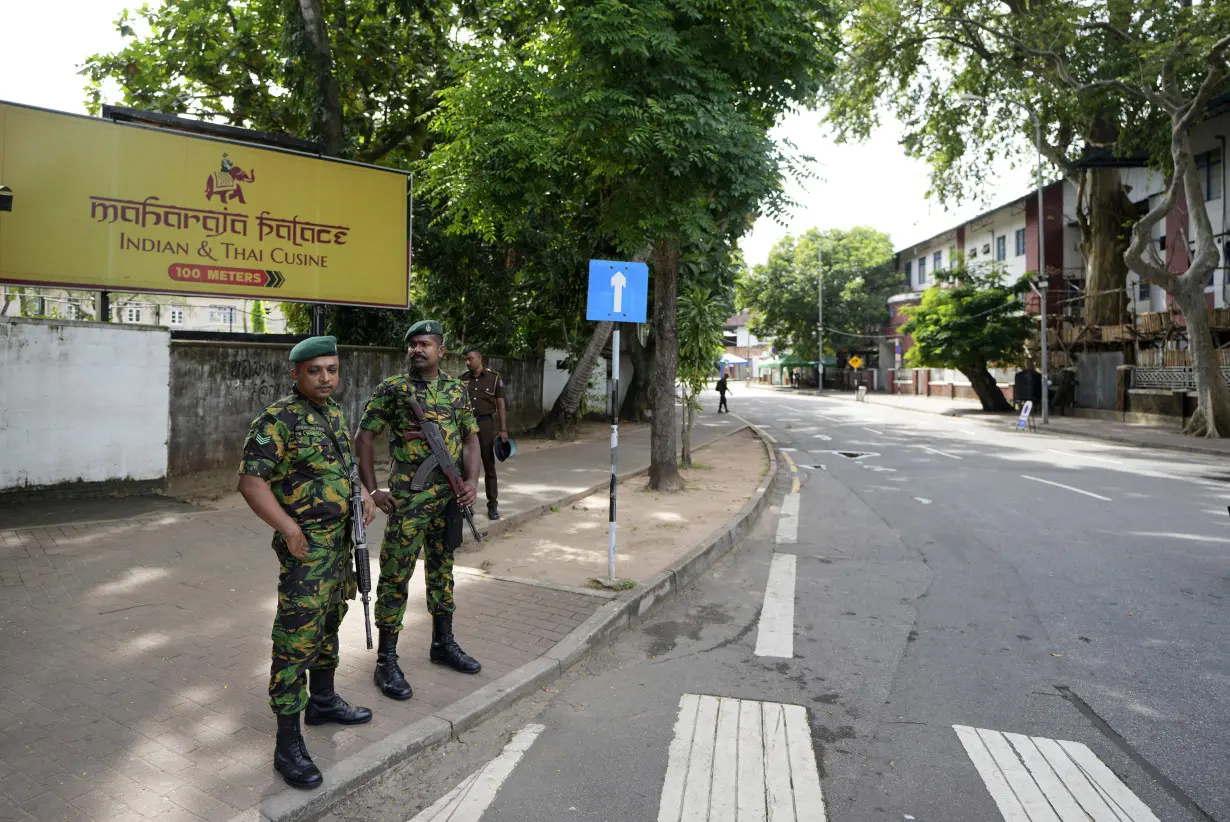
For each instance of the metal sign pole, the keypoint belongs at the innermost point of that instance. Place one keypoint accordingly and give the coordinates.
(614, 446)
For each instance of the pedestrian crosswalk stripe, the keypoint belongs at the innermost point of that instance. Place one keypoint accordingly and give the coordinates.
(734, 760)
(470, 800)
(1035, 779)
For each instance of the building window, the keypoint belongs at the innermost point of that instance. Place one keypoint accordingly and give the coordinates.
(176, 315)
(1020, 242)
(1142, 291)
(132, 314)
(1208, 166)
(72, 311)
(221, 314)
(922, 270)
(909, 270)
(1001, 248)
(937, 262)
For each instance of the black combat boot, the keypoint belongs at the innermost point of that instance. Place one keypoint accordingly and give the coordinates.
(388, 676)
(290, 757)
(493, 510)
(326, 706)
(446, 651)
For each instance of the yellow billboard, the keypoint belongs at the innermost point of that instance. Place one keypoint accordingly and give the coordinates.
(101, 205)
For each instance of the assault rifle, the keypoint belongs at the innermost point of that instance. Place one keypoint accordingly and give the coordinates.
(439, 459)
(362, 568)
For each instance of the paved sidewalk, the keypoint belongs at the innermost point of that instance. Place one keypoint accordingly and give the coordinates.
(1147, 436)
(137, 651)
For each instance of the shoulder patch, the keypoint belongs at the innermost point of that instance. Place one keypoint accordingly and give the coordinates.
(263, 439)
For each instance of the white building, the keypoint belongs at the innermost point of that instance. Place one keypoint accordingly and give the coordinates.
(180, 312)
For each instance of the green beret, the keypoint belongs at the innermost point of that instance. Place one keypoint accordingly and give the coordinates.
(314, 347)
(425, 327)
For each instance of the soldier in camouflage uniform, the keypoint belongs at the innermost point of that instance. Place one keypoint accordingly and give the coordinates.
(296, 476)
(419, 520)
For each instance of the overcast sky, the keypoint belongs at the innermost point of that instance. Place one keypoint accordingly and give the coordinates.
(873, 183)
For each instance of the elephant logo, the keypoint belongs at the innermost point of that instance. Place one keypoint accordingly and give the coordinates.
(226, 182)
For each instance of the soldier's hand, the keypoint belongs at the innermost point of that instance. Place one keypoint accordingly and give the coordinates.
(369, 510)
(504, 435)
(469, 493)
(384, 501)
(296, 542)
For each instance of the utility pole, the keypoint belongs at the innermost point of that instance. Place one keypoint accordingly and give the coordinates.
(819, 317)
(1045, 278)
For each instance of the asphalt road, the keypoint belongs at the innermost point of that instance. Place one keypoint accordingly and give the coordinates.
(947, 574)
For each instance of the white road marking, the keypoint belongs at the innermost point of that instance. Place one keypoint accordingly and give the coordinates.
(735, 760)
(788, 522)
(1067, 488)
(1035, 779)
(470, 800)
(1085, 456)
(787, 449)
(824, 437)
(923, 500)
(931, 450)
(775, 635)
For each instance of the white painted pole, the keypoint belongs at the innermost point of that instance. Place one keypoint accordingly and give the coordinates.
(614, 446)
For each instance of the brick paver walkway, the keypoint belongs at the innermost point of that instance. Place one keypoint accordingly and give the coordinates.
(137, 660)
(136, 652)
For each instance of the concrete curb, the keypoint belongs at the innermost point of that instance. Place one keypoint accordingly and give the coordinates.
(611, 619)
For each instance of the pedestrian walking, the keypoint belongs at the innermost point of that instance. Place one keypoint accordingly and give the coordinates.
(296, 475)
(486, 390)
(424, 518)
(722, 388)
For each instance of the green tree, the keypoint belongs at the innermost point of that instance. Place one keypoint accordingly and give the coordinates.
(654, 115)
(860, 274)
(970, 320)
(236, 62)
(1063, 60)
(700, 317)
(259, 325)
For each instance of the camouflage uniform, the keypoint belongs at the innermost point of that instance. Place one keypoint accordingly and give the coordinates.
(418, 523)
(288, 447)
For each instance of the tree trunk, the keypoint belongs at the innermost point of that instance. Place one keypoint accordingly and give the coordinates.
(564, 411)
(636, 400)
(989, 393)
(328, 104)
(685, 458)
(1212, 415)
(663, 463)
(1105, 233)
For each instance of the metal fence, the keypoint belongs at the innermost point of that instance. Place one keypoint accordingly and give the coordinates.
(1172, 378)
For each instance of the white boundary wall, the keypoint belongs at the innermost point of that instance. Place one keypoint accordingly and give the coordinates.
(82, 402)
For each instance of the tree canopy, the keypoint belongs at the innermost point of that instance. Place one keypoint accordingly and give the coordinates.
(969, 320)
(859, 276)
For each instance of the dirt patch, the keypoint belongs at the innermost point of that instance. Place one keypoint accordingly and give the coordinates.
(569, 547)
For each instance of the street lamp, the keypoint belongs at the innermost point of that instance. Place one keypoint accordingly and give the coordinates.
(1044, 280)
(820, 318)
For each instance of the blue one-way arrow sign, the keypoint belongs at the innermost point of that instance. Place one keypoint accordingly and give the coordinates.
(618, 291)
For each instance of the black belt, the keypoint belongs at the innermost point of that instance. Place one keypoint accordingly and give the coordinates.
(483, 416)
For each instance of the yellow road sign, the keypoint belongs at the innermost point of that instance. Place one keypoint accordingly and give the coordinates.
(856, 361)
(108, 206)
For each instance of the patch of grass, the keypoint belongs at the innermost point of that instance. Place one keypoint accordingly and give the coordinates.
(621, 585)
(701, 466)
(554, 507)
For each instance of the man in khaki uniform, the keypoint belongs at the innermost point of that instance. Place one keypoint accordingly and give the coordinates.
(486, 390)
